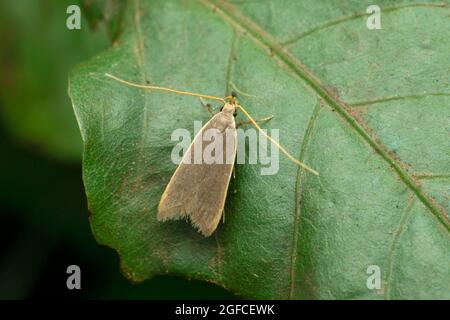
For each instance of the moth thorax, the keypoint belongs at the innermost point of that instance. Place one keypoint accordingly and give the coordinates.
(229, 108)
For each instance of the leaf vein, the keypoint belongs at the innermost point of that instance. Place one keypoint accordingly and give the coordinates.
(298, 190)
(395, 98)
(394, 245)
(140, 56)
(230, 64)
(356, 16)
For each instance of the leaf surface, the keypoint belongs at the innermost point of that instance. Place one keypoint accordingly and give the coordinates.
(369, 109)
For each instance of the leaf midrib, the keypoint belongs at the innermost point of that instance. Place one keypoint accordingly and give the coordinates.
(234, 17)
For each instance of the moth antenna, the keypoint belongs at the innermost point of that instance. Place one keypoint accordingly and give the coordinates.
(242, 93)
(290, 157)
(187, 93)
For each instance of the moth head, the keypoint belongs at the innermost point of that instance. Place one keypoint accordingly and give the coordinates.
(229, 108)
(232, 105)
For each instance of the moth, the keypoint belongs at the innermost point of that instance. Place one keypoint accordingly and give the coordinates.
(197, 191)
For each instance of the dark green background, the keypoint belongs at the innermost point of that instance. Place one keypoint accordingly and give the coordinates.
(44, 223)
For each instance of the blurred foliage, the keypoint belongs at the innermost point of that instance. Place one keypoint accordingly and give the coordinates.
(37, 53)
(43, 210)
(107, 12)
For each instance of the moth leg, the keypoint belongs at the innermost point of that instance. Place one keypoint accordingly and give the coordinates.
(207, 106)
(259, 120)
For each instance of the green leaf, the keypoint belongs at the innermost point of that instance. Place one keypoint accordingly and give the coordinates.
(367, 108)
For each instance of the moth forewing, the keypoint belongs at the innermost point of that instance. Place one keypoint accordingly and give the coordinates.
(198, 189)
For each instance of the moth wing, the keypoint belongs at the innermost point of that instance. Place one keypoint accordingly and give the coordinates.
(198, 190)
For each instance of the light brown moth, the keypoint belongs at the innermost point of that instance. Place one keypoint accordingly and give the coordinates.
(197, 191)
